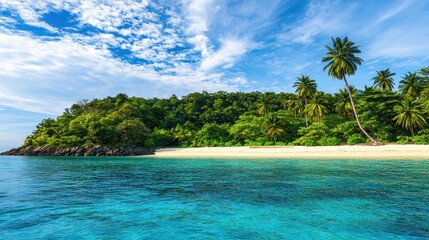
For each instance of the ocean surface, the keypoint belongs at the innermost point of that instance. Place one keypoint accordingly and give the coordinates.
(148, 198)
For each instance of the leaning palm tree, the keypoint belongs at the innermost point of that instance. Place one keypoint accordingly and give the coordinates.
(264, 104)
(341, 62)
(410, 85)
(384, 80)
(305, 87)
(273, 127)
(316, 108)
(409, 115)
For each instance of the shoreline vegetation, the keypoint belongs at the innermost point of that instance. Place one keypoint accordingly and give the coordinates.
(374, 115)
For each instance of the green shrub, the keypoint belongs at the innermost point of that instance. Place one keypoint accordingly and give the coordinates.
(312, 135)
(421, 139)
(355, 139)
(162, 138)
(310, 143)
(329, 141)
(403, 139)
(345, 130)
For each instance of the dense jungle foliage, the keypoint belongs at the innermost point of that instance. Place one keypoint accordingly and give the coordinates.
(309, 117)
(255, 118)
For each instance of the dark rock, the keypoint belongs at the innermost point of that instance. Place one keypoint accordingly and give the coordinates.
(80, 151)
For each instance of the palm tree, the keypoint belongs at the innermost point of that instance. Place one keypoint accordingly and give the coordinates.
(343, 105)
(341, 62)
(424, 74)
(384, 80)
(316, 108)
(409, 115)
(410, 84)
(305, 87)
(273, 127)
(295, 105)
(264, 104)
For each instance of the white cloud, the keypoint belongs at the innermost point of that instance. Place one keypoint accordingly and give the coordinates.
(198, 14)
(227, 55)
(394, 43)
(321, 17)
(396, 9)
(406, 36)
(47, 76)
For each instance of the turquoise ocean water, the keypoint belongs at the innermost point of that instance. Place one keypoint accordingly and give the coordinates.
(148, 198)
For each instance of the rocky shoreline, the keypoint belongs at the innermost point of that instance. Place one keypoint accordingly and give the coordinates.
(80, 151)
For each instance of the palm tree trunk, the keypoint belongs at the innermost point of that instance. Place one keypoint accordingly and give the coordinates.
(275, 140)
(356, 115)
(305, 113)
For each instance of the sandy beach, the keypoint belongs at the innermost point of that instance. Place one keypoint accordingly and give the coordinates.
(375, 152)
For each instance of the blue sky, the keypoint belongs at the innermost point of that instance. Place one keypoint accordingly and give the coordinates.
(56, 52)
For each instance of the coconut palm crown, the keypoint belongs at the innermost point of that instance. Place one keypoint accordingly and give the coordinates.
(410, 84)
(384, 80)
(343, 105)
(264, 104)
(316, 109)
(409, 115)
(305, 87)
(273, 126)
(341, 58)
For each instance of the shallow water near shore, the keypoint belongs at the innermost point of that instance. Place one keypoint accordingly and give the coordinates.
(168, 198)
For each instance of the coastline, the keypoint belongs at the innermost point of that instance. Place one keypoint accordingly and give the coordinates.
(325, 152)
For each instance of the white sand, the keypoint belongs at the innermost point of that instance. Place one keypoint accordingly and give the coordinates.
(375, 152)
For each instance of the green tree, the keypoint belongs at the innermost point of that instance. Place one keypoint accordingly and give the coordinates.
(305, 87)
(132, 132)
(316, 109)
(273, 127)
(410, 85)
(343, 106)
(376, 110)
(342, 62)
(312, 135)
(212, 134)
(264, 104)
(424, 74)
(409, 115)
(248, 127)
(384, 80)
(295, 105)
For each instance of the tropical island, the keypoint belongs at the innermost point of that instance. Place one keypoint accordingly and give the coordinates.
(209, 119)
(374, 115)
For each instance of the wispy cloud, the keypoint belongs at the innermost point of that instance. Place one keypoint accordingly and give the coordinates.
(321, 17)
(394, 10)
(404, 36)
